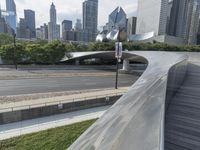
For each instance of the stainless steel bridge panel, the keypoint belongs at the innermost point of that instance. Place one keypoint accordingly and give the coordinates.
(136, 121)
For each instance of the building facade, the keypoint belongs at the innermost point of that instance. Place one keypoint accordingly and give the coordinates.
(117, 19)
(152, 16)
(78, 25)
(23, 32)
(11, 17)
(67, 25)
(29, 16)
(90, 19)
(131, 26)
(184, 20)
(45, 32)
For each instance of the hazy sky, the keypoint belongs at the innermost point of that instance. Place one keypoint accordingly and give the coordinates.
(71, 9)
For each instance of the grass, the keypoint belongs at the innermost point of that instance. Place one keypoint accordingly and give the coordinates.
(54, 139)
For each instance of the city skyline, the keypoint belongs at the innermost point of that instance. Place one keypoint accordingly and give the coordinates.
(71, 10)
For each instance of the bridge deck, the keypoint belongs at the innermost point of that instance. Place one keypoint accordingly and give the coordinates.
(182, 127)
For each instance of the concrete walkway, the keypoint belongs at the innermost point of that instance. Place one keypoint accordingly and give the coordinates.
(28, 104)
(30, 126)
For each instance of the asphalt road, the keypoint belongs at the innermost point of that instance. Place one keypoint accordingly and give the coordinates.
(57, 84)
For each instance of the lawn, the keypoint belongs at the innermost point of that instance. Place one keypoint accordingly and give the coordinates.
(54, 139)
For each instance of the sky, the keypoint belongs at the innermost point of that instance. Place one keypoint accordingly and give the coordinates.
(71, 9)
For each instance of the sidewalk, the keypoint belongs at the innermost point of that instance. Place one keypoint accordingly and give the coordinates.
(30, 126)
(41, 102)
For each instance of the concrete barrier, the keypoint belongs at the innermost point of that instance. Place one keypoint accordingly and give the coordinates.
(31, 113)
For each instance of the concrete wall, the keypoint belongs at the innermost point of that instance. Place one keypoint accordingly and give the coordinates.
(1, 62)
(21, 115)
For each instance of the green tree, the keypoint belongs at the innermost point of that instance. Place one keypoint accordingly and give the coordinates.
(55, 51)
(36, 54)
(5, 39)
(7, 53)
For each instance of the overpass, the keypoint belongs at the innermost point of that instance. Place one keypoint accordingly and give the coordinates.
(160, 111)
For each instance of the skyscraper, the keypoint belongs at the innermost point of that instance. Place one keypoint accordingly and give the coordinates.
(117, 19)
(10, 6)
(4, 26)
(29, 16)
(53, 17)
(131, 26)
(78, 25)
(184, 20)
(66, 25)
(53, 27)
(23, 31)
(45, 32)
(0, 12)
(11, 19)
(152, 16)
(90, 19)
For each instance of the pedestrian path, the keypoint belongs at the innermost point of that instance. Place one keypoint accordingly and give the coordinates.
(30, 126)
(42, 102)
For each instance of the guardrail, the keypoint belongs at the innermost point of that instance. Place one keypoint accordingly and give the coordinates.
(58, 102)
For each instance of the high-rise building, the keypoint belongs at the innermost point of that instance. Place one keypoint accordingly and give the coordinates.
(29, 16)
(66, 25)
(11, 18)
(90, 19)
(39, 33)
(117, 19)
(152, 16)
(69, 35)
(23, 31)
(45, 32)
(0, 12)
(42, 32)
(78, 25)
(10, 5)
(4, 26)
(131, 26)
(184, 20)
(170, 4)
(53, 27)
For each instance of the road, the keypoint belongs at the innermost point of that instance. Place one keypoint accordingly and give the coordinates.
(30, 126)
(52, 80)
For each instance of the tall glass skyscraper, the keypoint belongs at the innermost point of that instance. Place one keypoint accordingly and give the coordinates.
(90, 19)
(11, 19)
(29, 16)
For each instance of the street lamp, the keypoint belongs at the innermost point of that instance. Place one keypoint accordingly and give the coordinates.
(14, 51)
(118, 55)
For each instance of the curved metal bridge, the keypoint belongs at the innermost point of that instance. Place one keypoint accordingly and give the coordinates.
(160, 111)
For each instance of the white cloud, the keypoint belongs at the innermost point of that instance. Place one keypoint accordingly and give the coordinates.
(71, 9)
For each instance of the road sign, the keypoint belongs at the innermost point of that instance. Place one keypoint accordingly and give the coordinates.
(118, 50)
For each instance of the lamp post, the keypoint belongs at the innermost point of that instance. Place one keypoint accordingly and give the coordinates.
(14, 51)
(118, 55)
